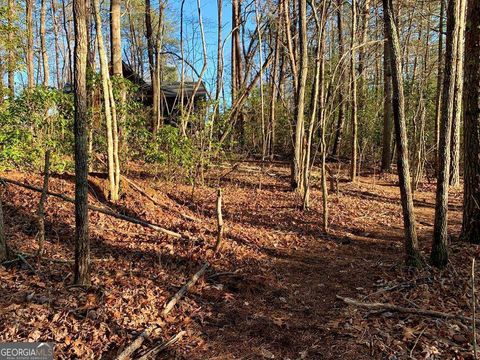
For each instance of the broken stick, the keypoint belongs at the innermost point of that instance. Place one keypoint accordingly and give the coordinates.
(159, 348)
(405, 310)
(184, 289)
(98, 209)
(41, 204)
(219, 220)
(130, 349)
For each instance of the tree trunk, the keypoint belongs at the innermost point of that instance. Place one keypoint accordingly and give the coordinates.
(58, 74)
(30, 55)
(299, 183)
(438, 103)
(387, 107)
(43, 44)
(353, 93)
(11, 53)
(82, 245)
(439, 254)
(110, 112)
(458, 104)
(341, 81)
(412, 253)
(471, 98)
(152, 65)
(115, 37)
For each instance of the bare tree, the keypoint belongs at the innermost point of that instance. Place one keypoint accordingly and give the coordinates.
(110, 112)
(412, 253)
(353, 93)
(29, 18)
(471, 193)
(299, 183)
(82, 244)
(458, 104)
(387, 107)
(11, 53)
(43, 43)
(439, 254)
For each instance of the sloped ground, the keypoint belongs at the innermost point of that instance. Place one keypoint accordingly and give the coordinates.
(270, 294)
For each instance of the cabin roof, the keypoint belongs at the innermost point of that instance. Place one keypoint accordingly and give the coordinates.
(169, 90)
(175, 89)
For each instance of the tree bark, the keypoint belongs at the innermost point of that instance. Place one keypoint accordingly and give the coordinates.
(299, 181)
(438, 104)
(387, 107)
(110, 112)
(43, 44)
(115, 37)
(30, 55)
(152, 65)
(82, 244)
(58, 74)
(353, 93)
(471, 193)
(458, 103)
(412, 253)
(341, 80)
(439, 254)
(11, 53)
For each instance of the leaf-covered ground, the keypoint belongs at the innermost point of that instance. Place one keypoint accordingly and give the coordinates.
(270, 294)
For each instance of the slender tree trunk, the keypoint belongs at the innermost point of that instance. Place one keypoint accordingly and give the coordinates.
(110, 113)
(458, 104)
(438, 104)
(151, 63)
(387, 107)
(362, 57)
(43, 43)
(30, 54)
(353, 93)
(412, 253)
(341, 80)
(67, 36)
(439, 255)
(219, 79)
(316, 102)
(11, 53)
(237, 68)
(82, 245)
(115, 37)
(273, 95)
(299, 184)
(58, 74)
(471, 97)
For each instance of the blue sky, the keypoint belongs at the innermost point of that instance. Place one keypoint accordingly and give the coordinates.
(192, 34)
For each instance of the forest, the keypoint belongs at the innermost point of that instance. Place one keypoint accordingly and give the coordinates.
(239, 179)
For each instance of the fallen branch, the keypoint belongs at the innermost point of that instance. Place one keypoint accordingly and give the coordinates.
(98, 209)
(144, 193)
(152, 199)
(41, 205)
(130, 349)
(220, 229)
(184, 289)
(405, 310)
(157, 349)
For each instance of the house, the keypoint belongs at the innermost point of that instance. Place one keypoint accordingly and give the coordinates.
(171, 94)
